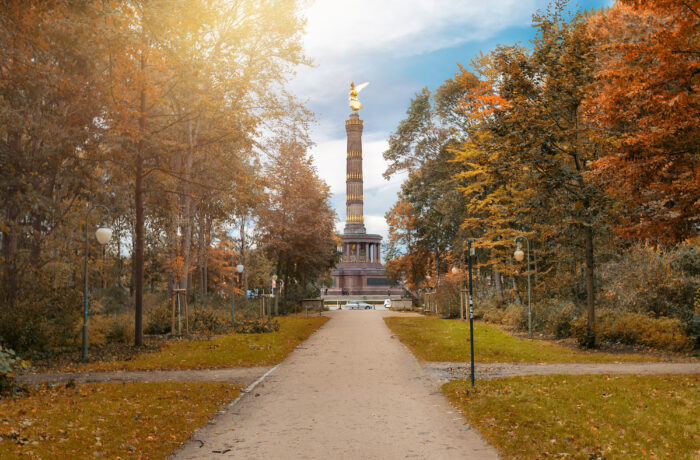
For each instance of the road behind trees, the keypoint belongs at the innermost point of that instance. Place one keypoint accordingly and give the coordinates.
(350, 391)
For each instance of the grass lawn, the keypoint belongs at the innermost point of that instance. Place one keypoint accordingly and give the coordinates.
(433, 339)
(620, 416)
(108, 420)
(230, 350)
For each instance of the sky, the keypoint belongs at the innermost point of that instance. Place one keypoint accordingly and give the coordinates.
(400, 47)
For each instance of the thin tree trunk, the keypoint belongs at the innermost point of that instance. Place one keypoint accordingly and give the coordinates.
(515, 290)
(590, 287)
(286, 289)
(138, 204)
(498, 283)
(138, 249)
(187, 208)
(244, 259)
(534, 259)
(277, 289)
(119, 256)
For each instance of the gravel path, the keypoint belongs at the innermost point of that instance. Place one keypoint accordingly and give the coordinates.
(350, 391)
(441, 371)
(240, 375)
(445, 371)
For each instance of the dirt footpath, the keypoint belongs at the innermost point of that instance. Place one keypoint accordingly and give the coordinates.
(446, 371)
(240, 375)
(349, 391)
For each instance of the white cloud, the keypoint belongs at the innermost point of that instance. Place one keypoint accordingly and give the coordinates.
(358, 40)
(346, 40)
(377, 225)
(329, 157)
(340, 30)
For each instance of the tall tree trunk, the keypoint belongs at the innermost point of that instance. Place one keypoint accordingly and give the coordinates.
(138, 204)
(132, 275)
(286, 290)
(534, 259)
(10, 244)
(138, 250)
(279, 280)
(515, 290)
(187, 207)
(590, 286)
(244, 259)
(498, 284)
(119, 256)
(201, 258)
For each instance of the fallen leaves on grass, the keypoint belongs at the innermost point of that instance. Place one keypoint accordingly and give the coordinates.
(227, 350)
(433, 339)
(110, 420)
(588, 416)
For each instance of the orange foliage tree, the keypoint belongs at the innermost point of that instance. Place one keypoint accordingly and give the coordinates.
(646, 104)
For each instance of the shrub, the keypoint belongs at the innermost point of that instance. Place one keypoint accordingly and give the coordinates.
(515, 316)
(10, 363)
(120, 329)
(158, 320)
(114, 299)
(41, 319)
(207, 320)
(257, 326)
(639, 329)
(653, 281)
(561, 317)
(686, 259)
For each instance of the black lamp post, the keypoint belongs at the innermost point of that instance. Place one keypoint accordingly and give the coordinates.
(470, 251)
(238, 268)
(103, 236)
(518, 255)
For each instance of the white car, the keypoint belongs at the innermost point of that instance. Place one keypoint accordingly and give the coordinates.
(357, 305)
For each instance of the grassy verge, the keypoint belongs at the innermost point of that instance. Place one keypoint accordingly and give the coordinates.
(433, 339)
(109, 420)
(591, 416)
(230, 350)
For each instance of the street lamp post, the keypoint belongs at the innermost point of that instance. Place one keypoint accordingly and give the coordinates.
(518, 255)
(238, 268)
(103, 236)
(471, 309)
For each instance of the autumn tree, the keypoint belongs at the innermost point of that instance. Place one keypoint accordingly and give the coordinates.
(191, 85)
(646, 104)
(430, 206)
(47, 127)
(406, 259)
(153, 108)
(541, 134)
(297, 222)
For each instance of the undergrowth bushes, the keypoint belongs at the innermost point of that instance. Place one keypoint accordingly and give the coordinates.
(10, 363)
(639, 329)
(648, 297)
(41, 319)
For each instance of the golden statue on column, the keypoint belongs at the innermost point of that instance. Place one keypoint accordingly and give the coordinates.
(355, 103)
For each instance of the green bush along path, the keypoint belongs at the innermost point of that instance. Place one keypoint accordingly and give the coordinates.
(433, 339)
(589, 416)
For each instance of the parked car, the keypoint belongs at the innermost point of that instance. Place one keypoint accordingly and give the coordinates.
(357, 305)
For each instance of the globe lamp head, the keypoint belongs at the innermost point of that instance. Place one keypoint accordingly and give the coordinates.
(103, 235)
